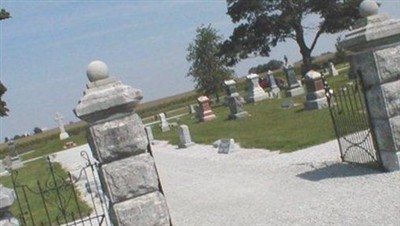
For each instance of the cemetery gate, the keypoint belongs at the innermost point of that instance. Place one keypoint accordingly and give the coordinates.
(352, 124)
(58, 200)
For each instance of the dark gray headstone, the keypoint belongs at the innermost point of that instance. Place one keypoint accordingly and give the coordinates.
(225, 146)
(288, 103)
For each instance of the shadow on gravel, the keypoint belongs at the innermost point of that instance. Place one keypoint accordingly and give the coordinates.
(337, 170)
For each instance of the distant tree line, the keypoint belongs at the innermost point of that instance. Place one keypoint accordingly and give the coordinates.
(262, 68)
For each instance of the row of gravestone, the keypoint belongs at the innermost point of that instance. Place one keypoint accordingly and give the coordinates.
(315, 98)
(314, 85)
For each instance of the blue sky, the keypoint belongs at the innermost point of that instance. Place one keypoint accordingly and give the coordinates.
(47, 45)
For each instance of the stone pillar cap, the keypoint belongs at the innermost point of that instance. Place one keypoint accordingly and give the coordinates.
(368, 8)
(97, 70)
(374, 30)
(105, 97)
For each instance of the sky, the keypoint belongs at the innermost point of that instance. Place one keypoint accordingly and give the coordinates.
(46, 46)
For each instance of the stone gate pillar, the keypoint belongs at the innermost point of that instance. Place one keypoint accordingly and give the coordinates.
(375, 43)
(118, 141)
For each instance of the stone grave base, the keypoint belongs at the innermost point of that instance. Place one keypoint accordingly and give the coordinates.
(16, 163)
(295, 91)
(316, 104)
(165, 129)
(258, 97)
(239, 115)
(275, 93)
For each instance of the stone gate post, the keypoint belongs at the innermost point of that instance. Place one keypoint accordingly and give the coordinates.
(118, 141)
(375, 43)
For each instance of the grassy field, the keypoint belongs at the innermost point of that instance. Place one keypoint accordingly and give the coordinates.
(270, 126)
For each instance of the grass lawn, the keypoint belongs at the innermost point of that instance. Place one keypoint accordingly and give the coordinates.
(269, 126)
(31, 175)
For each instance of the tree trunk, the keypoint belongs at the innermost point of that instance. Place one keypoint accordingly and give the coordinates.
(307, 62)
(217, 97)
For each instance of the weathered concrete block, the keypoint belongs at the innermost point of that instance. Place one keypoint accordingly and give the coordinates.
(395, 124)
(391, 93)
(365, 63)
(118, 139)
(130, 177)
(390, 160)
(383, 134)
(146, 210)
(388, 60)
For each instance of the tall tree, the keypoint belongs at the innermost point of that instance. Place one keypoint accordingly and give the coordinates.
(3, 109)
(208, 70)
(262, 24)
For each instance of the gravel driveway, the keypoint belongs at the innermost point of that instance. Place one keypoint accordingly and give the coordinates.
(258, 187)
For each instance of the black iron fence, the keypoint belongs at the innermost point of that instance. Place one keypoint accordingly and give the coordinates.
(352, 125)
(59, 198)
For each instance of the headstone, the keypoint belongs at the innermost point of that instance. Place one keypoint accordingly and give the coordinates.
(118, 140)
(63, 134)
(16, 162)
(294, 87)
(236, 108)
(226, 146)
(375, 45)
(205, 112)
(315, 98)
(192, 109)
(230, 87)
(149, 133)
(275, 90)
(7, 198)
(255, 92)
(164, 123)
(332, 70)
(184, 137)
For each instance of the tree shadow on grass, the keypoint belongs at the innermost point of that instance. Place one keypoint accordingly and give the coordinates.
(338, 170)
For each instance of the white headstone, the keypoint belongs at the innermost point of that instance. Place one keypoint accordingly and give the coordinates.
(63, 134)
(164, 122)
(332, 70)
(184, 137)
(275, 90)
(255, 92)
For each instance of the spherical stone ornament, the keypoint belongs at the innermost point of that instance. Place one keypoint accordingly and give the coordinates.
(368, 8)
(97, 70)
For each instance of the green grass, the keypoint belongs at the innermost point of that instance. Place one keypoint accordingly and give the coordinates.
(39, 172)
(269, 126)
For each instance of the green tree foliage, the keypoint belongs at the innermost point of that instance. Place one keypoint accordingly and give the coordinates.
(37, 130)
(262, 24)
(271, 65)
(340, 55)
(208, 70)
(3, 108)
